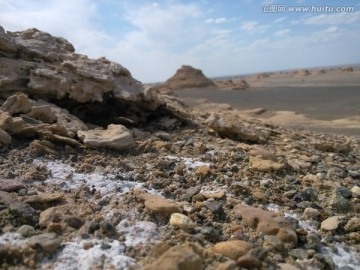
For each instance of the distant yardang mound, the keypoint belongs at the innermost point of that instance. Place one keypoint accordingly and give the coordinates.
(188, 77)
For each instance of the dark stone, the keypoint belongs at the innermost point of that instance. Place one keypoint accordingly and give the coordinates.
(213, 206)
(105, 246)
(74, 222)
(346, 193)
(23, 212)
(191, 192)
(93, 226)
(107, 228)
(104, 201)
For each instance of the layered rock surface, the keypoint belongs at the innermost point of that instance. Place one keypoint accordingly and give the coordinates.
(52, 92)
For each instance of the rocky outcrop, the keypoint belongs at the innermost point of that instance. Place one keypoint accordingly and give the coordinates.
(300, 73)
(23, 116)
(232, 84)
(229, 125)
(41, 65)
(188, 77)
(346, 69)
(51, 92)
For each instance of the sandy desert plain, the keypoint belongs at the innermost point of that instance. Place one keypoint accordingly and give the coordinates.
(323, 99)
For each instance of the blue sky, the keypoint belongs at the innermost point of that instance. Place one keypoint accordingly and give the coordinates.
(154, 38)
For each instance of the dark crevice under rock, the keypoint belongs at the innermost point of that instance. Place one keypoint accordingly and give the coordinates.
(111, 111)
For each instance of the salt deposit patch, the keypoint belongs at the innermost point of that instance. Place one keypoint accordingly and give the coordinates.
(189, 163)
(139, 232)
(66, 176)
(98, 255)
(14, 239)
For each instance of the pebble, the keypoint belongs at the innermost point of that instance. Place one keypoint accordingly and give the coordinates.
(74, 222)
(158, 204)
(232, 249)
(330, 224)
(49, 242)
(248, 261)
(47, 216)
(24, 213)
(355, 236)
(228, 265)
(355, 192)
(346, 193)
(273, 242)
(287, 266)
(203, 170)
(213, 206)
(310, 213)
(177, 257)
(353, 225)
(107, 228)
(214, 195)
(338, 202)
(26, 230)
(299, 253)
(181, 221)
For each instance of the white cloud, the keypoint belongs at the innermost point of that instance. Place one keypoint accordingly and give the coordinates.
(254, 27)
(219, 20)
(282, 33)
(281, 19)
(332, 19)
(331, 29)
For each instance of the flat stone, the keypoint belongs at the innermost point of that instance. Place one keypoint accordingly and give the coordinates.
(265, 165)
(43, 198)
(47, 216)
(115, 137)
(177, 258)
(10, 185)
(267, 222)
(232, 249)
(49, 242)
(158, 204)
(214, 195)
(202, 170)
(230, 126)
(330, 224)
(181, 221)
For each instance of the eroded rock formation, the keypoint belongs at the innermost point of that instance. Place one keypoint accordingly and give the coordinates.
(49, 91)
